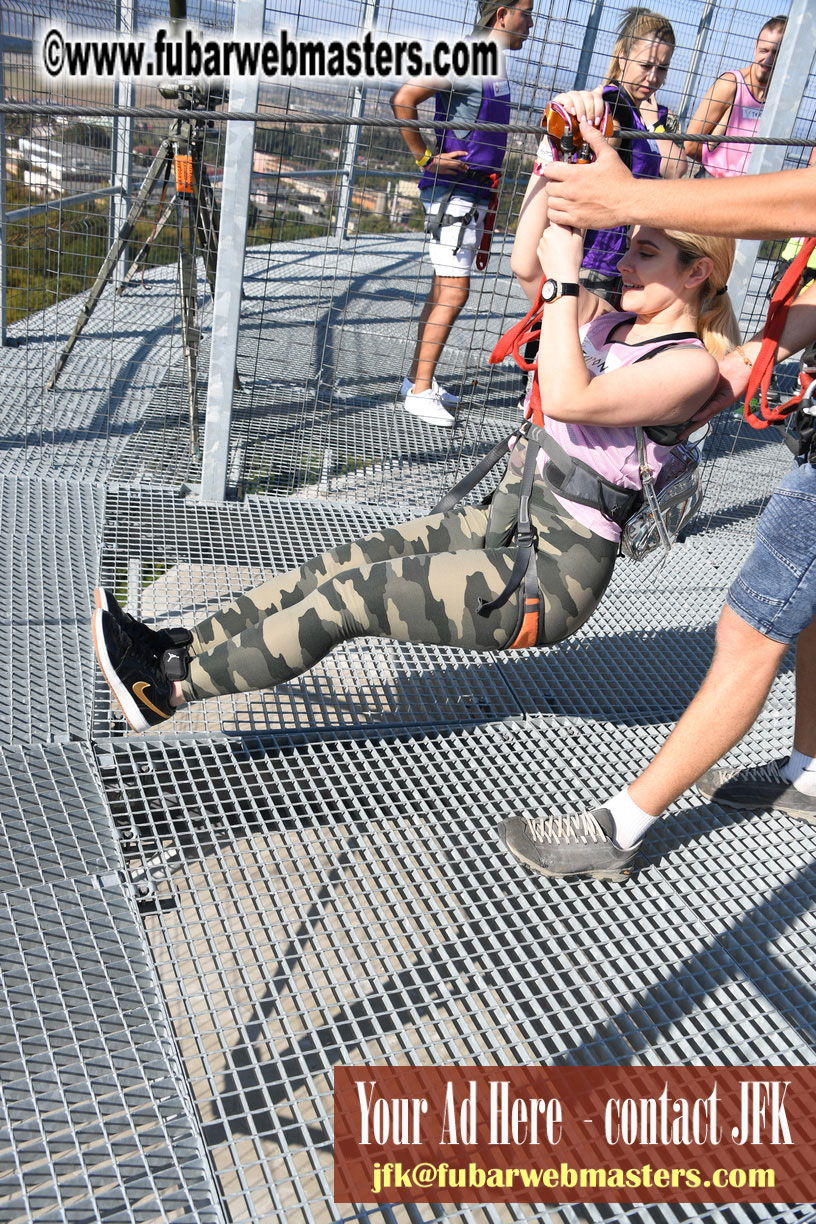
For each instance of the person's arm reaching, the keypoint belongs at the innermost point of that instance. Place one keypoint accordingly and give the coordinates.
(604, 194)
(735, 368)
(666, 389)
(532, 220)
(713, 111)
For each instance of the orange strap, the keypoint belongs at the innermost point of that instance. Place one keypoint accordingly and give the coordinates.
(483, 254)
(183, 164)
(527, 634)
(760, 379)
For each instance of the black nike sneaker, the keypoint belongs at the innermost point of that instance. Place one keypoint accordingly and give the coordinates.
(137, 677)
(156, 640)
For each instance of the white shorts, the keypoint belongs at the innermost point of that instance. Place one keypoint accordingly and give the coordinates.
(441, 250)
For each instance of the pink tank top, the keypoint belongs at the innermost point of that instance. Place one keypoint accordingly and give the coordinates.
(611, 450)
(726, 159)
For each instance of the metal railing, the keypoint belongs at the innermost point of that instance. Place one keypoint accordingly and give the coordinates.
(362, 118)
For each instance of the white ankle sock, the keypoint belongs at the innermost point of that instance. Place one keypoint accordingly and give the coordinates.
(631, 822)
(800, 771)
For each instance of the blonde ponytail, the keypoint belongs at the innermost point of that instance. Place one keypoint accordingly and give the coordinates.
(716, 323)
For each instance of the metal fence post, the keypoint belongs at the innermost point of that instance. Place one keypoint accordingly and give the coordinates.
(588, 45)
(370, 8)
(238, 153)
(122, 142)
(691, 84)
(788, 86)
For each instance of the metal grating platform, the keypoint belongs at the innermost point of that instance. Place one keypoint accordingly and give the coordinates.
(56, 823)
(48, 568)
(200, 926)
(96, 1123)
(401, 932)
(92, 1126)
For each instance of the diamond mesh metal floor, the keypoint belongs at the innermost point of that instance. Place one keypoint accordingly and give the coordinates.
(201, 924)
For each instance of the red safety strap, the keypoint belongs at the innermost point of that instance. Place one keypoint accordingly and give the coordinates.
(760, 380)
(483, 254)
(512, 343)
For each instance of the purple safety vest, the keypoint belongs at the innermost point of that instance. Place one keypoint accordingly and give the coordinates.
(485, 150)
(603, 248)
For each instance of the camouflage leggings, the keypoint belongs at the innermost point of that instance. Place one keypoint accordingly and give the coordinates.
(417, 582)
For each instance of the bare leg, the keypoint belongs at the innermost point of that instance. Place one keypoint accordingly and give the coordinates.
(804, 738)
(442, 308)
(726, 705)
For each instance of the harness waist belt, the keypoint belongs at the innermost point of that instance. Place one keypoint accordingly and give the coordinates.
(577, 481)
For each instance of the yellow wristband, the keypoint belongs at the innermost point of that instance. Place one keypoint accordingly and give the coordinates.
(424, 159)
(739, 349)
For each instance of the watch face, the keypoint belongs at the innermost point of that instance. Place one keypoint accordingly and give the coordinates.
(549, 290)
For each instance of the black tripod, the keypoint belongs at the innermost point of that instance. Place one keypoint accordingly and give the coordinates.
(180, 151)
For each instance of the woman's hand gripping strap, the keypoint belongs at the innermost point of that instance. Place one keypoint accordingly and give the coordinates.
(760, 380)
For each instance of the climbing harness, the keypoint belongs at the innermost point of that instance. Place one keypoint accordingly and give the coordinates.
(648, 519)
(803, 441)
(437, 218)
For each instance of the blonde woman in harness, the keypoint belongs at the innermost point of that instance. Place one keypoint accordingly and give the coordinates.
(524, 568)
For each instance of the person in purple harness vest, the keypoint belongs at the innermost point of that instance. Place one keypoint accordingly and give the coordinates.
(733, 106)
(638, 67)
(455, 189)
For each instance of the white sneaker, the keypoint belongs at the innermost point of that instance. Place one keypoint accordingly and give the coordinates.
(449, 401)
(428, 405)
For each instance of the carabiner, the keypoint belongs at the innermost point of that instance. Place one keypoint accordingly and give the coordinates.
(564, 133)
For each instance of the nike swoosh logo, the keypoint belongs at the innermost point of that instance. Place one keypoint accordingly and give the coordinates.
(138, 690)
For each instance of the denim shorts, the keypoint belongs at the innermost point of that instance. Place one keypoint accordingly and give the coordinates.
(775, 591)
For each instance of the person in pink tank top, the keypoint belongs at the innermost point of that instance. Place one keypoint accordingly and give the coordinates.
(733, 107)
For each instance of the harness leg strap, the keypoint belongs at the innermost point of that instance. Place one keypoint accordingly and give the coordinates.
(524, 537)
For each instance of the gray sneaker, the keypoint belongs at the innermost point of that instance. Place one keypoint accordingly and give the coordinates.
(757, 786)
(579, 844)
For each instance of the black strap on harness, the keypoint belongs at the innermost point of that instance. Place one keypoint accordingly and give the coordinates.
(437, 218)
(802, 442)
(524, 568)
(569, 478)
(470, 480)
(576, 481)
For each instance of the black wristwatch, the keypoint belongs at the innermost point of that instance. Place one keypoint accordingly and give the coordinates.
(553, 289)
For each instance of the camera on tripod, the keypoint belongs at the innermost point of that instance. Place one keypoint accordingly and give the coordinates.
(192, 96)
